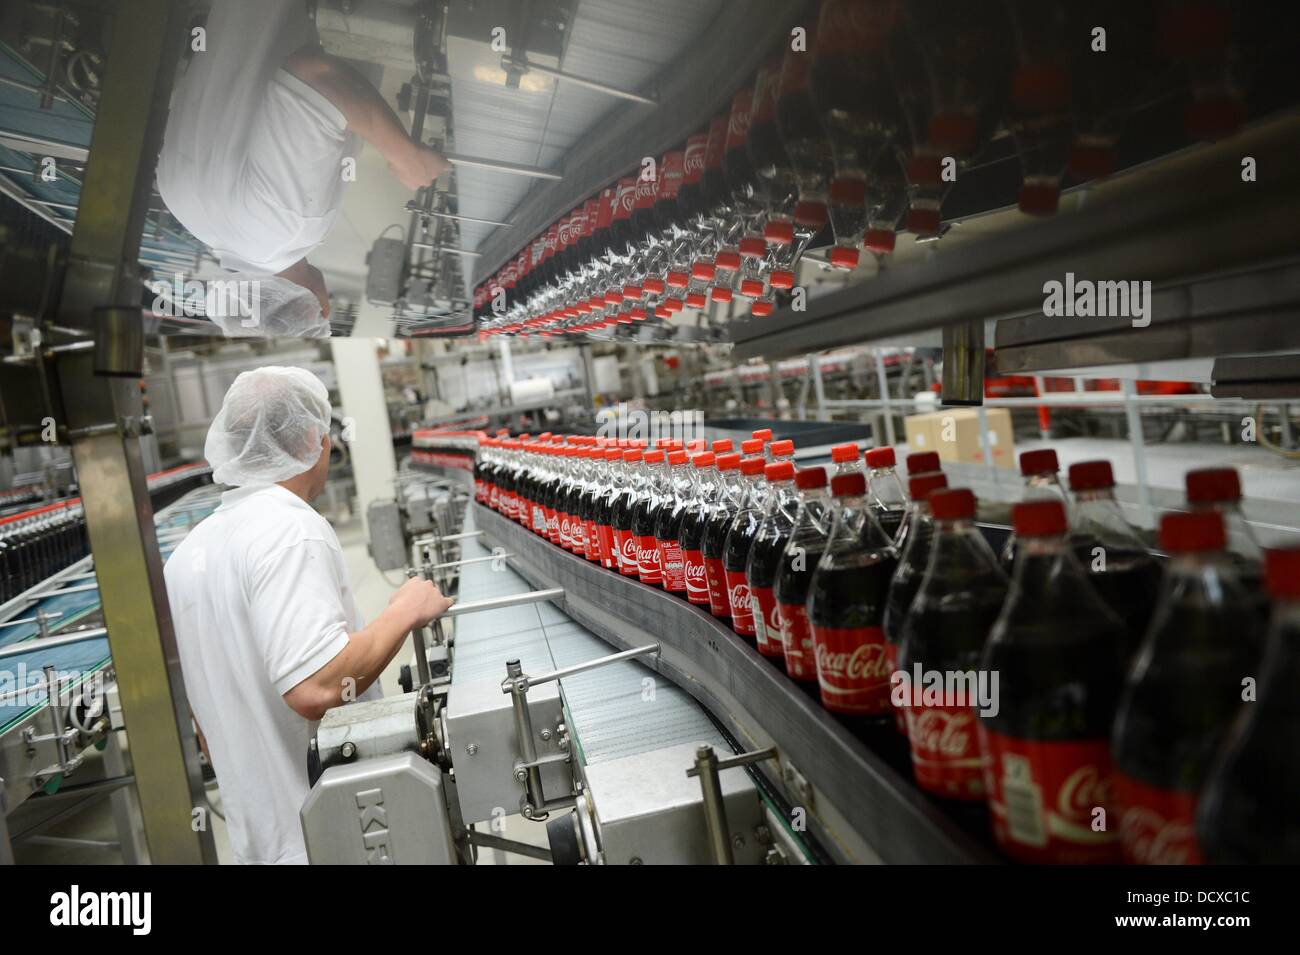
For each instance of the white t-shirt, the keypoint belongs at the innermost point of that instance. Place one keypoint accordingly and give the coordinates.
(252, 158)
(260, 601)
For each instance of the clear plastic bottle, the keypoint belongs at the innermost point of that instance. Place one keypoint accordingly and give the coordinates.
(888, 500)
(1040, 470)
(765, 557)
(812, 526)
(701, 502)
(740, 536)
(1219, 490)
(679, 491)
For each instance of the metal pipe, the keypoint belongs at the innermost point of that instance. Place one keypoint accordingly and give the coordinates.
(463, 563)
(442, 248)
(523, 65)
(512, 600)
(47, 643)
(593, 664)
(513, 169)
(715, 810)
(414, 207)
(36, 619)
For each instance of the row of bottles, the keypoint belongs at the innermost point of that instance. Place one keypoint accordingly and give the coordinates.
(38, 546)
(1134, 710)
(855, 130)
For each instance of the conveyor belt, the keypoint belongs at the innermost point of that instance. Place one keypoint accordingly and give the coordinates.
(619, 710)
(76, 609)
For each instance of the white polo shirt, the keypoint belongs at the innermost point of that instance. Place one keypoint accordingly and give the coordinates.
(260, 601)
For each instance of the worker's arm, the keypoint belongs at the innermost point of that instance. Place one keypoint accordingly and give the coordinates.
(367, 115)
(352, 671)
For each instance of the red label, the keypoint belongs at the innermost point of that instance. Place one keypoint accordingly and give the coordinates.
(591, 541)
(1156, 826)
(539, 519)
(565, 524)
(742, 612)
(693, 161)
(697, 584)
(480, 491)
(648, 561)
(1043, 796)
(626, 197)
(797, 642)
(577, 535)
(738, 123)
(553, 526)
(719, 594)
(494, 497)
(608, 549)
(767, 622)
(625, 548)
(852, 669)
(673, 562)
(717, 144)
(945, 751)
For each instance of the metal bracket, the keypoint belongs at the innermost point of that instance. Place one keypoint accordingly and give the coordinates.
(708, 768)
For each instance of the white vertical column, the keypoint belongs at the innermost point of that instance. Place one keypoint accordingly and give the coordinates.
(361, 389)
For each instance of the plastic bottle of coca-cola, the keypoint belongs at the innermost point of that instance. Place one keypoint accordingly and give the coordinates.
(1040, 118)
(913, 557)
(847, 460)
(740, 537)
(803, 551)
(699, 503)
(846, 607)
(888, 500)
(1040, 469)
(1057, 651)
(645, 518)
(623, 512)
(765, 557)
(1122, 569)
(680, 489)
(614, 485)
(593, 479)
(1181, 694)
(737, 169)
(1199, 38)
(1219, 490)
(1249, 810)
(732, 486)
(946, 628)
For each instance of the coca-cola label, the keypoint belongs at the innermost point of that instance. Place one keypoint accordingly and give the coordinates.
(697, 584)
(765, 92)
(719, 594)
(742, 612)
(480, 491)
(608, 549)
(1043, 798)
(605, 207)
(494, 497)
(717, 144)
(591, 541)
(852, 669)
(564, 529)
(577, 536)
(672, 560)
(742, 108)
(797, 642)
(625, 548)
(670, 176)
(1156, 826)
(693, 162)
(767, 622)
(646, 190)
(539, 519)
(648, 561)
(945, 751)
(626, 198)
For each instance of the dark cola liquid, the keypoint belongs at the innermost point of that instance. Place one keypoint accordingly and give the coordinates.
(950, 634)
(694, 523)
(740, 540)
(853, 596)
(765, 560)
(623, 510)
(715, 535)
(668, 526)
(645, 516)
(907, 579)
(1129, 586)
(890, 520)
(791, 585)
(1060, 663)
(771, 162)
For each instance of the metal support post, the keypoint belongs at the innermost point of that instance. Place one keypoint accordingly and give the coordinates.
(709, 770)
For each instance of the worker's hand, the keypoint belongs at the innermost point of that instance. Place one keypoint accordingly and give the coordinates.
(420, 601)
(418, 166)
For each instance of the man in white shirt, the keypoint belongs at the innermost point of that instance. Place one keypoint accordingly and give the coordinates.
(252, 161)
(269, 633)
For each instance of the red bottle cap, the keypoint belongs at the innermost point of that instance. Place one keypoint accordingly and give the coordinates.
(761, 309)
(809, 478)
(654, 286)
(763, 434)
(631, 291)
(752, 446)
(654, 457)
(722, 446)
(813, 215)
(1039, 199)
(1043, 518)
(1187, 532)
(919, 487)
(783, 447)
(704, 459)
(728, 461)
(778, 233)
(849, 485)
(879, 241)
(703, 271)
(781, 279)
(676, 458)
(1213, 485)
(632, 455)
(957, 504)
(751, 288)
(1091, 476)
(1042, 461)
(696, 300)
(720, 293)
(881, 458)
(727, 261)
(925, 222)
(663, 311)
(921, 462)
(779, 471)
(752, 466)
(1091, 160)
(848, 192)
(750, 246)
(843, 257)
(613, 297)
(613, 454)
(673, 304)
(844, 452)
(678, 279)
(1282, 572)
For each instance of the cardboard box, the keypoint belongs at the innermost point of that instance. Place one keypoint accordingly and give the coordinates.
(954, 434)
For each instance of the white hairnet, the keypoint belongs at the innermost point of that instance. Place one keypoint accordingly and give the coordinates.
(269, 428)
